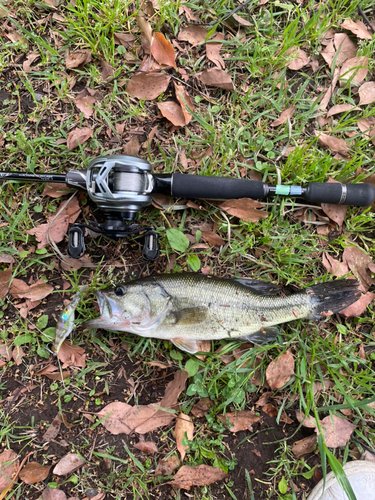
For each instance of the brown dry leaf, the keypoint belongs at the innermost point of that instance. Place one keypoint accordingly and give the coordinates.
(358, 28)
(53, 494)
(212, 238)
(342, 44)
(366, 93)
(305, 420)
(333, 143)
(245, 209)
(358, 262)
(86, 105)
(147, 447)
(355, 69)
(358, 307)
(56, 190)
(71, 355)
(270, 410)
(142, 419)
(185, 100)
(284, 418)
(341, 108)
(78, 136)
(26, 65)
(215, 77)
(53, 373)
(280, 370)
(5, 354)
(241, 420)
(146, 28)
(57, 225)
(173, 112)
(166, 466)
(6, 258)
(148, 86)
(300, 58)
(202, 407)
(125, 39)
(213, 48)
(264, 399)
(334, 266)
(329, 92)
(17, 355)
(75, 59)
(241, 21)
(336, 431)
(336, 212)
(304, 446)
(132, 147)
(193, 34)
(184, 426)
(38, 291)
(68, 263)
(9, 465)
(367, 126)
(283, 118)
(18, 286)
(68, 464)
(33, 473)
(163, 51)
(5, 277)
(202, 475)
(53, 430)
(107, 71)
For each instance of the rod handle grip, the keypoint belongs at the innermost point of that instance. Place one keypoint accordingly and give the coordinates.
(358, 195)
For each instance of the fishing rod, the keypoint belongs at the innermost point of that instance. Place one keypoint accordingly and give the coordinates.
(121, 185)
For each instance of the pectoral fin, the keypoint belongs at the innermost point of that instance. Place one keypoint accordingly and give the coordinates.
(262, 336)
(190, 315)
(187, 345)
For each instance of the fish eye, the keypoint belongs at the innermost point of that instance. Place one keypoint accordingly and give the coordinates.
(120, 291)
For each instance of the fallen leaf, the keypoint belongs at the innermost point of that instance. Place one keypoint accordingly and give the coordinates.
(166, 466)
(78, 58)
(53, 494)
(173, 112)
(185, 100)
(6, 258)
(326, 97)
(69, 264)
(212, 238)
(283, 118)
(300, 58)
(333, 143)
(57, 225)
(340, 108)
(318, 386)
(184, 428)
(367, 126)
(71, 355)
(107, 71)
(213, 47)
(304, 446)
(5, 354)
(241, 21)
(366, 93)
(53, 373)
(5, 277)
(284, 418)
(17, 355)
(201, 408)
(146, 29)
(340, 49)
(68, 464)
(336, 431)
(146, 447)
(78, 136)
(193, 34)
(125, 39)
(202, 475)
(354, 69)
(358, 28)
(86, 105)
(33, 473)
(358, 307)
(26, 65)
(335, 212)
(264, 399)
(36, 292)
(334, 266)
(132, 147)
(280, 370)
(215, 77)
(270, 410)
(148, 86)
(305, 420)
(162, 50)
(358, 262)
(53, 430)
(56, 190)
(9, 465)
(245, 209)
(142, 419)
(241, 420)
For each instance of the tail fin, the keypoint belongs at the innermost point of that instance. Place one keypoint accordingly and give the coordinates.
(333, 296)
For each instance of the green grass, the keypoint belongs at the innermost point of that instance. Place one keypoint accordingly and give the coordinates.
(280, 248)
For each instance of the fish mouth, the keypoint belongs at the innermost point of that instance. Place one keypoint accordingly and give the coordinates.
(110, 314)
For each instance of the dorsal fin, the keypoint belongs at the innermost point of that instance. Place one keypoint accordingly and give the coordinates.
(261, 287)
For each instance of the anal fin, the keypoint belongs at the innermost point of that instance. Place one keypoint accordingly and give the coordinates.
(262, 336)
(187, 345)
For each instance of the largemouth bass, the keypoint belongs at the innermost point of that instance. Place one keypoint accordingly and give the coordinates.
(186, 308)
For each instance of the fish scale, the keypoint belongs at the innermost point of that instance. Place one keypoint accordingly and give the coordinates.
(187, 307)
